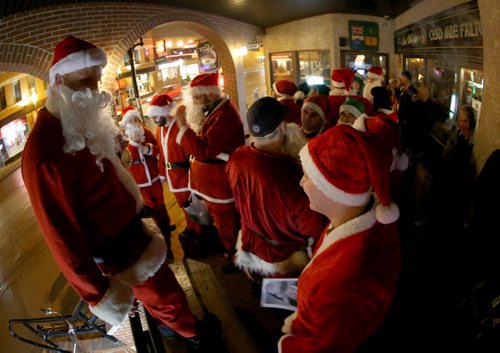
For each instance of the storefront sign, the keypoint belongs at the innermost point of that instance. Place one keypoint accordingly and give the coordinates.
(459, 27)
(207, 57)
(363, 35)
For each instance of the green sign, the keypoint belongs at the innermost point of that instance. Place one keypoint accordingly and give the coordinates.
(363, 35)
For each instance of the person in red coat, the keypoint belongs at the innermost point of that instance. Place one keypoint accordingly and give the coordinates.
(276, 222)
(174, 166)
(341, 83)
(314, 115)
(215, 130)
(287, 93)
(346, 290)
(142, 163)
(88, 205)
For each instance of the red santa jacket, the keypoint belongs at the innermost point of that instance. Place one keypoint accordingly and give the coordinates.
(88, 218)
(221, 134)
(294, 112)
(144, 167)
(172, 158)
(334, 103)
(276, 221)
(346, 290)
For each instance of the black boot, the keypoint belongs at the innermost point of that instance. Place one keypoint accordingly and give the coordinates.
(210, 339)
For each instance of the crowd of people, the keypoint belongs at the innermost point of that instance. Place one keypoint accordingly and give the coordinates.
(311, 193)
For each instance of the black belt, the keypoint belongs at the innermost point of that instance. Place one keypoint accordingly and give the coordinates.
(174, 165)
(213, 161)
(269, 241)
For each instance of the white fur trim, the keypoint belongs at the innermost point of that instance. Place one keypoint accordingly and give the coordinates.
(359, 123)
(156, 110)
(350, 109)
(345, 230)
(280, 342)
(338, 84)
(328, 188)
(299, 95)
(77, 61)
(246, 260)
(375, 76)
(387, 214)
(128, 116)
(197, 90)
(116, 303)
(316, 108)
(151, 259)
(180, 134)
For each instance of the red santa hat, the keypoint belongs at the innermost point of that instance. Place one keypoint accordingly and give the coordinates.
(285, 88)
(161, 105)
(204, 84)
(345, 164)
(342, 78)
(376, 73)
(387, 131)
(72, 54)
(319, 104)
(128, 113)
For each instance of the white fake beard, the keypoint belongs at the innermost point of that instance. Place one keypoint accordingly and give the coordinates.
(135, 133)
(86, 121)
(194, 115)
(294, 140)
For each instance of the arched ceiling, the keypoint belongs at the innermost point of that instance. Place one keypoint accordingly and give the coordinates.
(262, 13)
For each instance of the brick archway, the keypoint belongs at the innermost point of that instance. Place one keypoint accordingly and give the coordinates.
(27, 39)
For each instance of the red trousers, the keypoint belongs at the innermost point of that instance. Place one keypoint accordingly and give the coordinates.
(227, 221)
(153, 198)
(165, 300)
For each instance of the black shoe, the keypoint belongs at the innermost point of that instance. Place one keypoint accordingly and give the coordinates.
(210, 338)
(230, 268)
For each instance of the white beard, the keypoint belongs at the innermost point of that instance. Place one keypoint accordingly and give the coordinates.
(294, 140)
(135, 133)
(194, 115)
(86, 121)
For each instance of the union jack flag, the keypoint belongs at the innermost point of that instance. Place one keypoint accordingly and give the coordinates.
(358, 30)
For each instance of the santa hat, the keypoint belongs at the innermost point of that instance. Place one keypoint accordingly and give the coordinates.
(73, 54)
(161, 105)
(205, 84)
(128, 113)
(376, 73)
(342, 78)
(285, 88)
(264, 116)
(352, 106)
(317, 103)
(386, 130)
(345, 164)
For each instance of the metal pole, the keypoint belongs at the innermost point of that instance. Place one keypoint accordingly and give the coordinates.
(134, 77)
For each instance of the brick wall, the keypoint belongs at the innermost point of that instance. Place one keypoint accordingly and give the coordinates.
(27, 39)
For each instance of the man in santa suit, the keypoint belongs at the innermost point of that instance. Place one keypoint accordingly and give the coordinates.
(346, 290)
(174, 167)
(375, 79)
(88, 205)
(341, 84)
(142, 163)
(314, 113)
(287, 93)
(276, 221)
(215, 130)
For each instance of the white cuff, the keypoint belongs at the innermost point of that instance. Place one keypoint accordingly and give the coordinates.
(116, 303)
